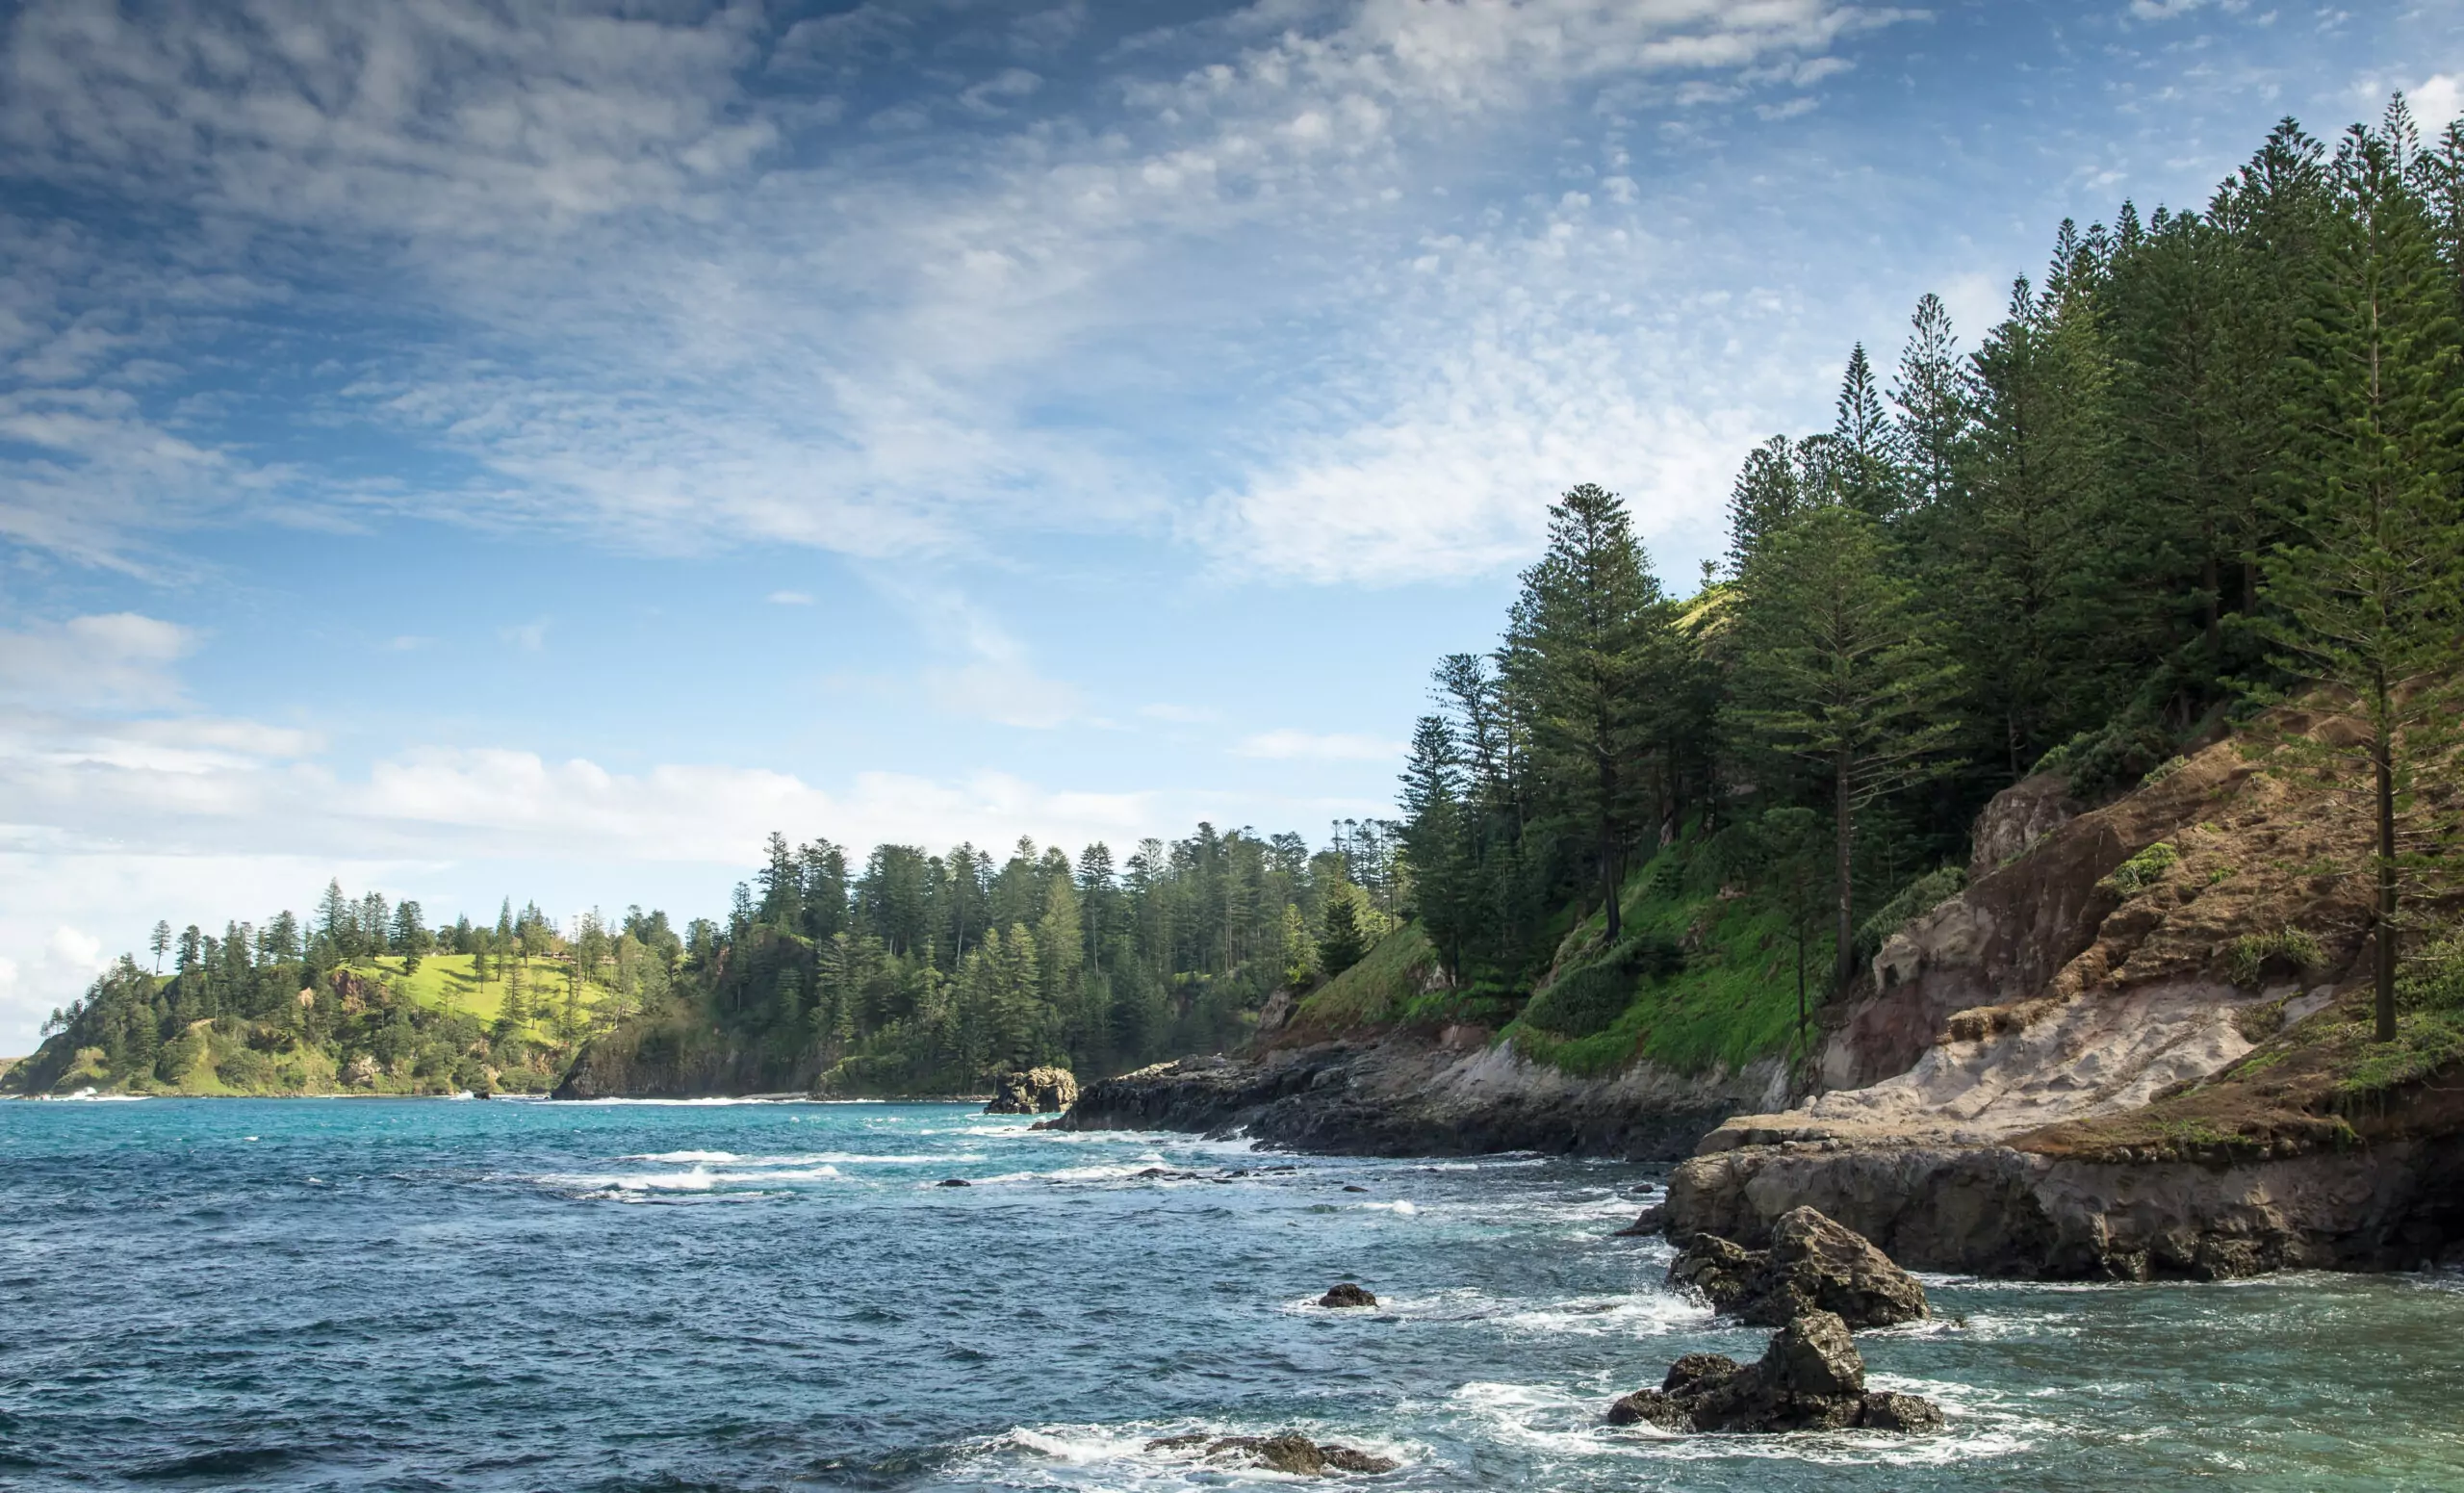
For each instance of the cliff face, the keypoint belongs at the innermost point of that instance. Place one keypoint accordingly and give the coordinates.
(2134, 1049)
(674, 1059)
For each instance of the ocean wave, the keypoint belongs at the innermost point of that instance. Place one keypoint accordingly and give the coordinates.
(802, 1159)
(1098, 1457)
(89, 1096)
(694, 1179)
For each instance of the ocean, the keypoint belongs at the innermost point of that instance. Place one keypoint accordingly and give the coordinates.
(360, 1294)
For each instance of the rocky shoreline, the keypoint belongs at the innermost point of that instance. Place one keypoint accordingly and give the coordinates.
(2109, 1057)
(1401, 1095)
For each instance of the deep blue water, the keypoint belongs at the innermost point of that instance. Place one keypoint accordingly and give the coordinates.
(366, 1294)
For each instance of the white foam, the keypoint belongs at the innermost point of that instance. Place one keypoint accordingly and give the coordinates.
(694, 1179)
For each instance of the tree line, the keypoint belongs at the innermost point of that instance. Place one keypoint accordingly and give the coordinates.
(906, 973)
(913, 972)
(2209, 463)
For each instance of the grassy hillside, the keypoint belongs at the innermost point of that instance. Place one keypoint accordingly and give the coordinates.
(1378, 991)
(1702, 977)
(445, 982)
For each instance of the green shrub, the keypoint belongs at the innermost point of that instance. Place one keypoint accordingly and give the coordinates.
(2424, 1043)
(2163, 770)
(2097, 761)
(1590, 998)
(2249, 956)
(1909, 903)
(2142, 870)
(2435, 978)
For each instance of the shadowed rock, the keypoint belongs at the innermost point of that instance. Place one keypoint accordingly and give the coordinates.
(1347, 1295)
(1289, 1452)
(1814, 1265)
(1811, 1377)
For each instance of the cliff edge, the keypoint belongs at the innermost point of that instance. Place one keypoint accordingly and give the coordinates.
(2138, 1046)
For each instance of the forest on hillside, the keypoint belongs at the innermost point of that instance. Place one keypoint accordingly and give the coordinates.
(904, 972)
(2210, 462)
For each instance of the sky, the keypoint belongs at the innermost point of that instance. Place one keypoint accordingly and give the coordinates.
(483, 449)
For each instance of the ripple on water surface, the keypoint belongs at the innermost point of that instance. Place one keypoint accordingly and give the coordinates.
(374, 1294)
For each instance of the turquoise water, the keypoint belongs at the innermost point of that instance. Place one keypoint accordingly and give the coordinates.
(365, 1293)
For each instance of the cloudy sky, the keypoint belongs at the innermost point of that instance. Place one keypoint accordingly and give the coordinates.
(474, 446)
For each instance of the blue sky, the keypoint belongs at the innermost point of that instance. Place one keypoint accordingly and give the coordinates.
(483, 448)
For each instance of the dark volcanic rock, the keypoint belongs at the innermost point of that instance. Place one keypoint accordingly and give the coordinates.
(1884, 1411)
(1347, 1295)
(1814, 1264)
(1287, 1452)
(954, 1181)
(1651, 1221)
(1398, 1095)
(1811, 1377)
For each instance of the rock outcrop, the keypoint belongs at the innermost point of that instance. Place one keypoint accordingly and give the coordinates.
(1405, 1094)
(1347, 1293)
(1811, 1377)
(1034, 1091)
(1812, 1264)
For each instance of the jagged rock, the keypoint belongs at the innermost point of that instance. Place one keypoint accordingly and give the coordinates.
(1653, 1220)
(1814, 1265)
(1883, 1411)
(1347, 1293)
(1034, 1091)
(1289, 1452)
(1717, 1268)
(361, 1071)
(2016, 818)
(1813, 1355)
(1811, 1377)
(1651, 1408)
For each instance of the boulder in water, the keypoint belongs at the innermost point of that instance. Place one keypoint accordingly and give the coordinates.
(954, 1181)
(1814, 1265)
(1811, 1377)
(1034, 1091)
(1289, 1453)
(1347, 1293)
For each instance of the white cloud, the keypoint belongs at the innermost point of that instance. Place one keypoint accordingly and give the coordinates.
(666, 327)
(116, 660)
(790, 599)
(1336, 747)
(1178, 714)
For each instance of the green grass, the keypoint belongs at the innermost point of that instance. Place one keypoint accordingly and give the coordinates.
(1733, 1001)
(1378, 991)
(444, 982)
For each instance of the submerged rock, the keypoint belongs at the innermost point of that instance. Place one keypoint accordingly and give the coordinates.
(1347, 1293)
(1814, 1265)
(954, 1181)
(1034, 1091)
(1811, 1377)
(1289, 1452)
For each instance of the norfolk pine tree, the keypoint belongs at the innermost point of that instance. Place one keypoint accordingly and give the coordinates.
(1579, 645)
(1837, 669)
(2368, 594)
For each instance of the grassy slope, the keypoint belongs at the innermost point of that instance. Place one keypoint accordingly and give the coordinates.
(1377, 992)
(1734, 1001)
(445, 983)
